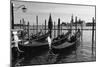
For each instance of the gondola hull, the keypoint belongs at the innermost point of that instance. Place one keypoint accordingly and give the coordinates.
(40, 38)
(31, 48)
(33, 51)
(34, 48)
(66, 49)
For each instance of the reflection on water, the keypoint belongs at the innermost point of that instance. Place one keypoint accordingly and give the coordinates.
(46, 58)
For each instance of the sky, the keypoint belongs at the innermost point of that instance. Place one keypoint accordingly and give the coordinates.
(43, 10)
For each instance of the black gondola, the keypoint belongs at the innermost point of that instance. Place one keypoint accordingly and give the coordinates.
(33, 49)
(32, 45)
(39, 38)
(35, 36)
(42, 38)
(65, 45)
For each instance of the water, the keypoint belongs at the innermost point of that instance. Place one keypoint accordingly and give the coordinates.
(83, 53)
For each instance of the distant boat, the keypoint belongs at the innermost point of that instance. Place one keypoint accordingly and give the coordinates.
(65, 45)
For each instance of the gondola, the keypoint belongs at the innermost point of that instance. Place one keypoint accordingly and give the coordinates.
(40, 38)
(66, 45)
(35, 36)
(33, 49)
(33, 45)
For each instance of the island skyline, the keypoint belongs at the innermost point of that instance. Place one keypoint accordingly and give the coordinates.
(43, 10)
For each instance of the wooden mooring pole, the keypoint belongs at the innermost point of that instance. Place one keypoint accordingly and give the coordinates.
(76, 23)
(25, 27)
(42, 30)
(45, 26)
(58, 26)
(28, 29)
(71, 24)
(33, 28)
(20, 24)
(23, 23)
(54, 30)
(12, 16)
(37, 23)
(61, 29)
(81, 33)
(93, 36)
